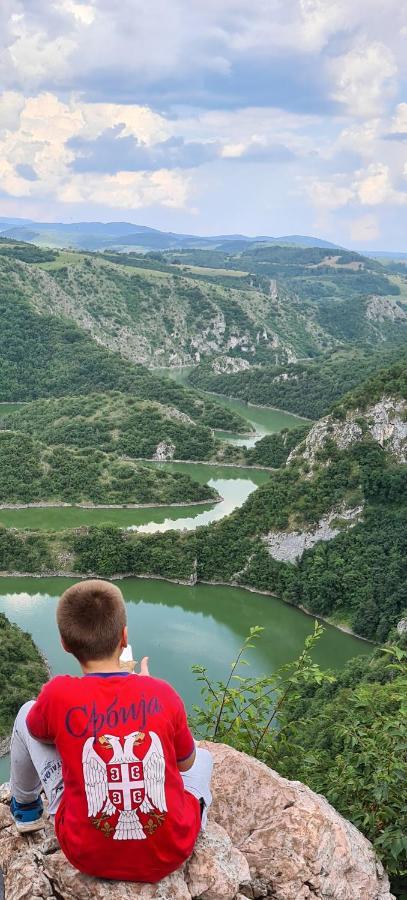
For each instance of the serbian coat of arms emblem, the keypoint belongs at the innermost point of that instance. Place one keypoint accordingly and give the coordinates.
(125, 784)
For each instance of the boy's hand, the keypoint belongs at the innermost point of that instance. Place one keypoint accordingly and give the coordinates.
(143, 667)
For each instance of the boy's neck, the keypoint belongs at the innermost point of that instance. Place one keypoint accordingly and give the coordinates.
(111, 664)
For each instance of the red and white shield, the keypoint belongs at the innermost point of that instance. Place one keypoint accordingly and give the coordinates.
(126, 784)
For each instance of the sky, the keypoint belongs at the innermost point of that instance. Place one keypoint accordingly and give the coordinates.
(268, 117)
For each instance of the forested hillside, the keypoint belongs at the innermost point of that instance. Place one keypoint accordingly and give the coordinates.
(114, 422)
(22, 672)
(42, 356)
(352, 467)
(32, 472)
(347, 739)
(264, 305)
(307, 389)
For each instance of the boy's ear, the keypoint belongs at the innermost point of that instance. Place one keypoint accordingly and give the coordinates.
(67, 650)
(124, 638)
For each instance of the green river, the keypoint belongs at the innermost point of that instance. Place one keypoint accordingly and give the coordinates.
(177, 625)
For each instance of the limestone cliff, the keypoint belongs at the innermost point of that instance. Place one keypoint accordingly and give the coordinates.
(266, 837)
(385, 420)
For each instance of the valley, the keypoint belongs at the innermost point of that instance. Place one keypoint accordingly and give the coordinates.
(222, 430)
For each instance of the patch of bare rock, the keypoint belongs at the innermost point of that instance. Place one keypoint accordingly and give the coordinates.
(288, 546)
(378, 309)
(165, 450)
(227, 365)
(266, 837)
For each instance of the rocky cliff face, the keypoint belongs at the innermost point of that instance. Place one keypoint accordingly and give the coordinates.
(385, 420)
(266, 837)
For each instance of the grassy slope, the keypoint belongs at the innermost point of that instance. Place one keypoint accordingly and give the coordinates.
(163, 317)
(164, 314)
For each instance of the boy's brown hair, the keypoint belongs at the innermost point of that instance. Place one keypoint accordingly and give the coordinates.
(91, 616)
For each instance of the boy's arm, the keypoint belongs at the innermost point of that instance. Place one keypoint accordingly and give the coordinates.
(183, 739)
(186, 764)
(39, 720)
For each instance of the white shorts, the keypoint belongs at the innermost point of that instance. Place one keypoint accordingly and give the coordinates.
(197, 780)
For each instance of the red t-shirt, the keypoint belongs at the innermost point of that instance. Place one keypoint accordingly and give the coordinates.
(124, 813)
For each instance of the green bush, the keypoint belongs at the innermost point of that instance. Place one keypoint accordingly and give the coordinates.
(345, 735)
(22, 672)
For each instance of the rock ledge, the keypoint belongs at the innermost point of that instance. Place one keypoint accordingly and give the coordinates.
(267, 837)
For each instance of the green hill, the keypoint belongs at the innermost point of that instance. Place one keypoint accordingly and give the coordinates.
(114, 423)
(327, 531)
(31, 472)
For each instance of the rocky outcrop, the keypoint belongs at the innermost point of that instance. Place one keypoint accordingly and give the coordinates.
(228, 365)
(385, 420)
(289, 546)
(165, 450)
(388, 426)
(266, 837)
(380, 309)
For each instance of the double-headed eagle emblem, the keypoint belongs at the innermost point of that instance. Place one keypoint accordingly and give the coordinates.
(126, 783)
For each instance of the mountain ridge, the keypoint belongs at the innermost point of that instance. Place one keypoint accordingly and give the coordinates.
(269, 305)
(32, 231)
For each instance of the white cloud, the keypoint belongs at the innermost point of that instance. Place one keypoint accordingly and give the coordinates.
(11, 104)
(399, 122)
(364, 78)
(128, 190)
(373, 187)
(38, 134)
(40, 127)
(139, 121)
(82, 12)
(361, 138)
(328, 195)
(11, 182)
(33, 55)
(364, 229)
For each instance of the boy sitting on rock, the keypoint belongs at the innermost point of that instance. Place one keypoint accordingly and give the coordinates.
(112, 751)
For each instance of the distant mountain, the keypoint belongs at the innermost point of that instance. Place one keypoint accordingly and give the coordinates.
(301, 240)
(387, 254)
(5, 221)
(126, 235)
